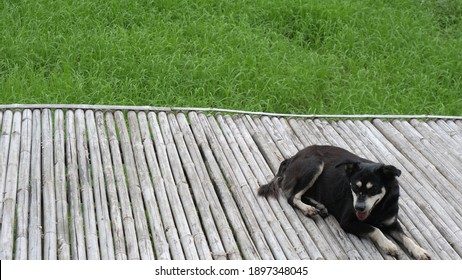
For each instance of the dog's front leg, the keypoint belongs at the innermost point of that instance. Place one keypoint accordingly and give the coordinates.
(396, 231)
(375, 234)
(383, 242)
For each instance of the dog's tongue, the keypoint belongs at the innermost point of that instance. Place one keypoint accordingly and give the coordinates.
(362, 215)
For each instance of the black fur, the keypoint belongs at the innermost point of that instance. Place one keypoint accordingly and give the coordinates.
(333, 189)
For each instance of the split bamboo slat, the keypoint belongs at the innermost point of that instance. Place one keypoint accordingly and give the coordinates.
(125, 182)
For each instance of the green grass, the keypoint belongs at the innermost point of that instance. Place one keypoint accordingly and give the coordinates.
(332, 56)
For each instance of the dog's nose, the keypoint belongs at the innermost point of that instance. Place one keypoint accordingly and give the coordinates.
(360, 206)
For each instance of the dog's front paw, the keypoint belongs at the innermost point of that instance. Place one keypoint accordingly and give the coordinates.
(309, 211)
(389, 248)
(322, 211)
(420, 254)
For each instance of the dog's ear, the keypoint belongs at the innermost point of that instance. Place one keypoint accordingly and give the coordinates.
(350, 166)
(390, 171)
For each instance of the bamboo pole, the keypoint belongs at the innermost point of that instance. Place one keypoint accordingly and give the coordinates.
(443, 154)
(441, 134)
(106, 242)
(253, 216)
(4, 151)
(215, 110)
(144, 241)
(35, 210)
(154, 218)
(202, 204)
(252, 157)
(249, 249)
(453, 130)
(23, 187)
(147, 189)
(49, 196)
(176, 169)
(60, 187)
(251, 148)
(88, 203)
(448, 135)
(194, 158)
(251, 191)
(442, 158)
(76, 227)
(135, 225)
(9, 199)
(114, 205)
(160, 184)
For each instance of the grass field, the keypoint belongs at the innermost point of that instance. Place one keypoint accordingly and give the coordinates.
(331, 56)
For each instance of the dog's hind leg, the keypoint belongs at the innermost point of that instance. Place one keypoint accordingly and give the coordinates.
(318, 205)
(312, 175)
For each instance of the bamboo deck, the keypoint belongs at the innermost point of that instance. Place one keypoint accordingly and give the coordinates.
(137, 183)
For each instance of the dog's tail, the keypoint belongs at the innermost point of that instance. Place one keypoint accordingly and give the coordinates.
(272, 188)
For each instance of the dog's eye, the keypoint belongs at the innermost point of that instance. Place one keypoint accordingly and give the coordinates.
(375, 189)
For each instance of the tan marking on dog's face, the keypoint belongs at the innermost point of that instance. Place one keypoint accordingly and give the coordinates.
(359, 184)
(369, 185)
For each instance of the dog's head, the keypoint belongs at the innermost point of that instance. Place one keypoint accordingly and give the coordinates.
(369, 183)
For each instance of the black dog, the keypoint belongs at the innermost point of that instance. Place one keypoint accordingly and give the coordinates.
(362, 195)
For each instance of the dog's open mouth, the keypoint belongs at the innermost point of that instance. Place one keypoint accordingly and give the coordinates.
(362, 215)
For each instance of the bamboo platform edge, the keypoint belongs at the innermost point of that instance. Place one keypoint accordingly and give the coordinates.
(220, 110)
